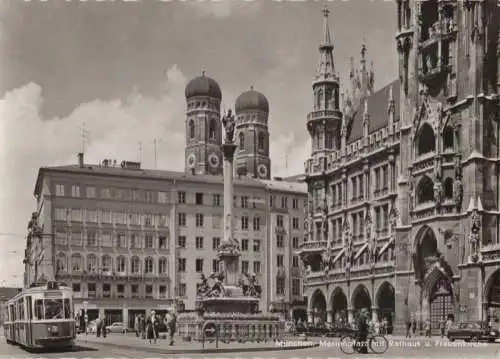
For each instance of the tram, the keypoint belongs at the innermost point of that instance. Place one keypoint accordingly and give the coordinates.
(41, 317)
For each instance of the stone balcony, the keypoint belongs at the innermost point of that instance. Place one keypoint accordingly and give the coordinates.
(424, 163)
(313, 246)
(323, 115)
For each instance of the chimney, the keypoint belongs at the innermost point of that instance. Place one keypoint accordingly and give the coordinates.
(80, 159)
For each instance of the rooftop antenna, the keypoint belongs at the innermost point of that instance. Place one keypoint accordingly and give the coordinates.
(83, 136)
(286, 163)
(139, 159)
(155, 143)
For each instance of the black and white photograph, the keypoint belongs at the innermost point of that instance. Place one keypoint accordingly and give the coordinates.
(250, 179)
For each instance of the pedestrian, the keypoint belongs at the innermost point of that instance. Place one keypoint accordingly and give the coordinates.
(142, 324)
(408, 323)
(442, 327)
(156, 326)
(136, 325)
(98, 327)
(103, 327)
(171, 323)
(150, 332)
(414, 326)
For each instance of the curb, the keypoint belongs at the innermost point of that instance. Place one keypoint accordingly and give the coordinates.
(201, 350)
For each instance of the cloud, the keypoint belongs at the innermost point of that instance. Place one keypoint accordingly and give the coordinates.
(115, 128)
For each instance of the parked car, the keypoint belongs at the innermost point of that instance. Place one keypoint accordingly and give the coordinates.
(473, 332)
(116, 327)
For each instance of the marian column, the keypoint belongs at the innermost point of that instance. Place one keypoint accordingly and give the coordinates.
(228, 251)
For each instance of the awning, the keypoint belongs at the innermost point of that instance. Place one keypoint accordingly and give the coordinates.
(361, 250)
(337, 257)
(384, 248)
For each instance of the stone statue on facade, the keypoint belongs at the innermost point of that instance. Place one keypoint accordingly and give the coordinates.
(476, 221)
(458, 166)
(474, 245)
(458, 193)
(229, 123)
(372, 247)
(438, 192)
(325, 260)
(324, 222)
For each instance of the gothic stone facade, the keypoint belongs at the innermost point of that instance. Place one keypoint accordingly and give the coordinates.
(403, 183)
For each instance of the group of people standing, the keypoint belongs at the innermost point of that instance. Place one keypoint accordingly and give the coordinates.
(148, 328)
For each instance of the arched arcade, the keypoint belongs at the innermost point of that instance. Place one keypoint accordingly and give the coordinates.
(317, 307)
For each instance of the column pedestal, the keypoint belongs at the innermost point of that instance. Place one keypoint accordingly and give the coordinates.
(350, 315)
(329, 316)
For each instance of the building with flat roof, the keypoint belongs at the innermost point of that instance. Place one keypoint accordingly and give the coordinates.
(129, 239)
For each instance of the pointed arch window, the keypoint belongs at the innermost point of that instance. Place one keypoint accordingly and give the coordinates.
(241, 138)
(448, 188)
(425, 190)
(212, 132)
(426, 140)
(191, 129)
(261, 141)
(448, 138)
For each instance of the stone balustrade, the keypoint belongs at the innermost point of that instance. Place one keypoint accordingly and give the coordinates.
(231, 327)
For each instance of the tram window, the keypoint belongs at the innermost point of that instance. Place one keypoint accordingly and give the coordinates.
(54, 309)
(21, 309)
(38, 309)
(67, 309)
(29, 306)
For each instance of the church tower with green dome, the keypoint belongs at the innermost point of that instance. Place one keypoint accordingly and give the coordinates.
(203, 127)
(252, 135)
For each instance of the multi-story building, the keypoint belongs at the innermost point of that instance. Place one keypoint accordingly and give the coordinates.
(129, 239)
(403, 182)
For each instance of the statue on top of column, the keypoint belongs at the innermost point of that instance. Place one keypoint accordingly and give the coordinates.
(229, 123)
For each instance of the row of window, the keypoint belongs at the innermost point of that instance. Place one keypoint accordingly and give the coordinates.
(107, 216)
(108, 290)
(103, 239)
(380, 175)
(200, 265)
(152, 197)
(358, 227)
(107, 265)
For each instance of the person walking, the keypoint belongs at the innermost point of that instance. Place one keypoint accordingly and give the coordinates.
(103, 327)
(142, 326)
(98, 325)
(136, 325)
(414, 325)
(171, 323)
(408, 322)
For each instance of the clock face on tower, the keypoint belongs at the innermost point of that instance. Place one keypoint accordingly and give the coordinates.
(191, 160)
(213, 160)
(262, 170)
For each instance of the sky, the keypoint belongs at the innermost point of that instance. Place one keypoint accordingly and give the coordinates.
(119, 69)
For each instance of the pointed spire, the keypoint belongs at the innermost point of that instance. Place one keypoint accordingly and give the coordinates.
(326, 66)
(326, 39)
(203, 72)
(351, 74)
(479, 204)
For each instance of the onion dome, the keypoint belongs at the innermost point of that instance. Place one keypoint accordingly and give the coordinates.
(203, 86)
(250, 101)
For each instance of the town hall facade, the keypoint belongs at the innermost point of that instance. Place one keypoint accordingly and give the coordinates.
(403, 182)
